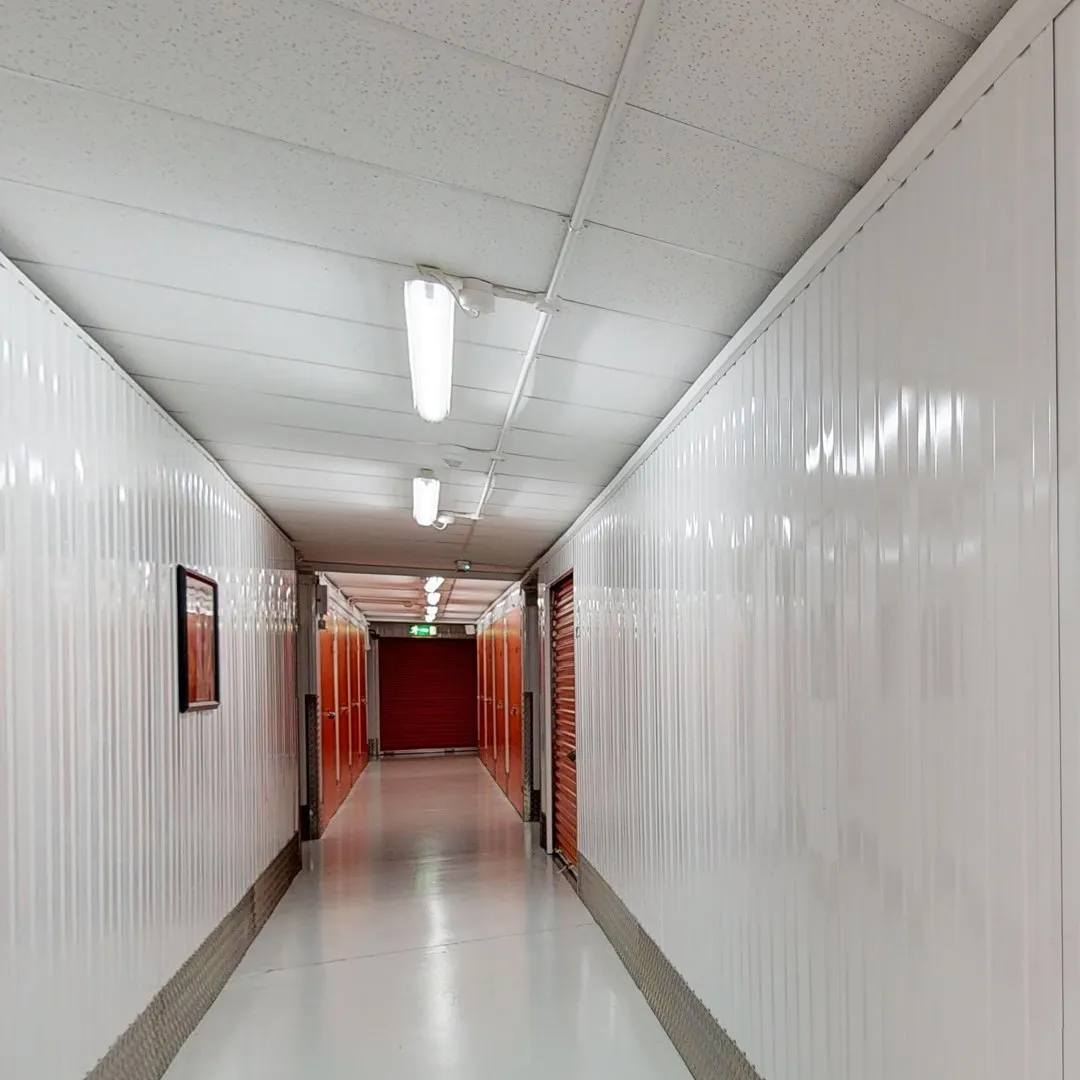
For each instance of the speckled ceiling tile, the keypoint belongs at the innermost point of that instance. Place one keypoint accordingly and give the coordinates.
(829, 83)
(579, 43)
(690, 187)
(324, 77)
(974, 17)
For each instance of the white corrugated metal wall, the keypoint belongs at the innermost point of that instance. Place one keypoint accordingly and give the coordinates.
(1067, 108)
(127, 831)
(818, 707)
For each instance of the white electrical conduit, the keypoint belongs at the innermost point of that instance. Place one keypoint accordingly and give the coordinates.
(633, 62)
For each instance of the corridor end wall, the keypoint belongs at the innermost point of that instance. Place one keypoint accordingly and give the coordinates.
(817, 665)
(132, 837)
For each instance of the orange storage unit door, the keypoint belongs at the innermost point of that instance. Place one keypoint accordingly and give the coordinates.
(501, 710)
(328, 787)
(515, 783)
(427, 694)
(344, 710)
(481, 698)
(361, 682)
(489, 704)
(564, 724)
(355, 650)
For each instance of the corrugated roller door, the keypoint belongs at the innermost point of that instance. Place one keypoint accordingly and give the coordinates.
(564, 721)
(427, 694)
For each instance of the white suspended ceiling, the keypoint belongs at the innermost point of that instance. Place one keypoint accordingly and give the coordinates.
(401, 598)
(229, 196)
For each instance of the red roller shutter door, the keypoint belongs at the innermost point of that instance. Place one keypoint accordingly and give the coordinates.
(427, 694)
(564, 721)
(502, 715)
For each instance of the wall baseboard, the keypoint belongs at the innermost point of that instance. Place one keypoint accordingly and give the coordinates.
(709, 1052)
(146, 1050)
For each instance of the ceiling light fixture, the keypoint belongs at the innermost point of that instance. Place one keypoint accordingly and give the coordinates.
(431, 614)
(429, 320)
(434, 599)
(433, 584)
(425, 499)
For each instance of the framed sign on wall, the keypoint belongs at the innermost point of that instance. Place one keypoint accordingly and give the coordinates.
(197, 652)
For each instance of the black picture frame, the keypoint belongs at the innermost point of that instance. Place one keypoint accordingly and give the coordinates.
(187, 582)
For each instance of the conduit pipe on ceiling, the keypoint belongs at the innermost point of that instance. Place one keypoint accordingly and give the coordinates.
(633, 61)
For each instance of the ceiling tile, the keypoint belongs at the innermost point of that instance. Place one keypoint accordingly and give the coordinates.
(578, 43)
(233, 454)
(311, 481)
(219, 429)
(613, 269)
(153, 330)
(557, 418)
(195, 401)
(318, 487)
(830, 83)
(112, 151)
(77, 233)
(614, 339)
(177, 385)
(377, 351)
(974, 17)
(555, 379)
(690, 187)
(179, 362)
(377, 94)
(567, 447)
(538, 467)
(516, 557)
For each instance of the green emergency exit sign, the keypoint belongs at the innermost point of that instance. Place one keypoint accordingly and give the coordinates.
(424, 630)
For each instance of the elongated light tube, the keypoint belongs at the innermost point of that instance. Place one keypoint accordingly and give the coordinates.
(433, 599)
(434, 584)
(431, 614)
(429, 320)
(425, 500)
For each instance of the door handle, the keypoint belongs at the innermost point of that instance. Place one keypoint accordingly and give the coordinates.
(331, 715)
(571, 755)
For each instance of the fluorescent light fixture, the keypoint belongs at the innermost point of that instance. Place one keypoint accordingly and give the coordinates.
(433, 598)
(431, 614)
(429, 320)
(425, 500)
(434, 584)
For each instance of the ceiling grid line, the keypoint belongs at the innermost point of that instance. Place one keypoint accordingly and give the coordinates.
(633, 61)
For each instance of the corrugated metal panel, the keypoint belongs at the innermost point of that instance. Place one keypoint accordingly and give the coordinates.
(817, 667)
(564, 724)
(127, 831)
(427, 694)
(1067, 41)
